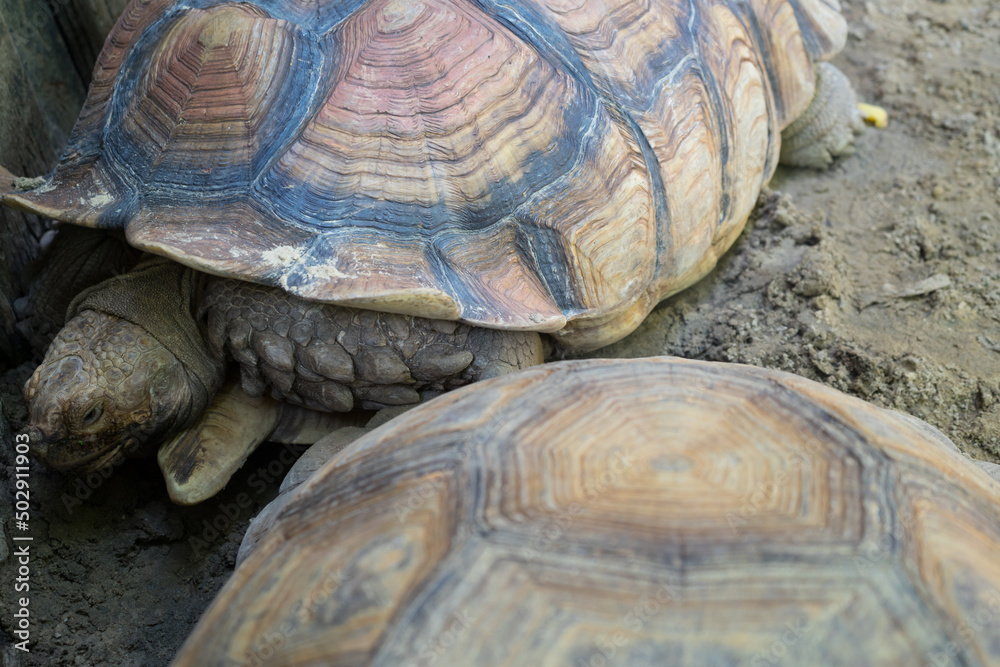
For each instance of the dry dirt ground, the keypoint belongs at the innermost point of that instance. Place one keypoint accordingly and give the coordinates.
(880, 277)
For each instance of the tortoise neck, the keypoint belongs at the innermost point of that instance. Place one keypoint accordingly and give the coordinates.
(161, 296)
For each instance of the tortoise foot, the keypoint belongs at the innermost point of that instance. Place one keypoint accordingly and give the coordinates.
(829, 125)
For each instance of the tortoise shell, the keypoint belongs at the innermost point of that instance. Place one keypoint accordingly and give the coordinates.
(550, 166)
(640, 512)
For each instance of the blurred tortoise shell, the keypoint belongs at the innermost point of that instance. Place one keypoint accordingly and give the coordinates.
(549, 166)
(641, 512)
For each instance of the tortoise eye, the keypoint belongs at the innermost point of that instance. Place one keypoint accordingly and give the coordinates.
(93, 414)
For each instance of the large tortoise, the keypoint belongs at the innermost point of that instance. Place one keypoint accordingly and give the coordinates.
(365, 201)
(610, 512)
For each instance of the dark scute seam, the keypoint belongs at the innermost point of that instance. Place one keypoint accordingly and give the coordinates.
(544, 253)
(123, 89)
(816, 48)
(329, 47)
(445, 277)
(763, 46)
(535, 29)
(721, 114)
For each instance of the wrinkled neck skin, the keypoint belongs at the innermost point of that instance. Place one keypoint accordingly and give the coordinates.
(129, 369)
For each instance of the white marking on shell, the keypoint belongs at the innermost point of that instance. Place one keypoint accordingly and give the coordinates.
(100, 201)
(283, 255)
(327, 271)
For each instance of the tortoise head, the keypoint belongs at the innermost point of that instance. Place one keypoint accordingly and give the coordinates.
(105, 390)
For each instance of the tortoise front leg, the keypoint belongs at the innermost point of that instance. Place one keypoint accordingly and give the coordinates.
(334, 358)
(198, 462)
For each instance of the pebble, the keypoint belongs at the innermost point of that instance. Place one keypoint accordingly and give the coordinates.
(936, 282)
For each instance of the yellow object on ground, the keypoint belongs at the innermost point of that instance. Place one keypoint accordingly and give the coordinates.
(874, 115)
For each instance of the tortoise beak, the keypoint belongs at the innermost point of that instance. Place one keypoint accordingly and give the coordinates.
(86, 455)
(51, 450)
(38, 443)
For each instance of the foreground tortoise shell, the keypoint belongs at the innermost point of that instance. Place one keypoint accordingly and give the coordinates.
(643, 512)
(553, 166)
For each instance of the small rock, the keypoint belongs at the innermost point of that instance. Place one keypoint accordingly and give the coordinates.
(988, 343)
(821, 360)
(936, 282)
(965, 313)
(987, 396)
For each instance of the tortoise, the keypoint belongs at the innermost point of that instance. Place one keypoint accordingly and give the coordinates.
(366, 202)
(632, 512)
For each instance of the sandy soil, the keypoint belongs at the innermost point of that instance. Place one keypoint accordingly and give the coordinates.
(880, 277)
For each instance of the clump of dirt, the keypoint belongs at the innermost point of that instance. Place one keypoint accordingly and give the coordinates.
(879, 277)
